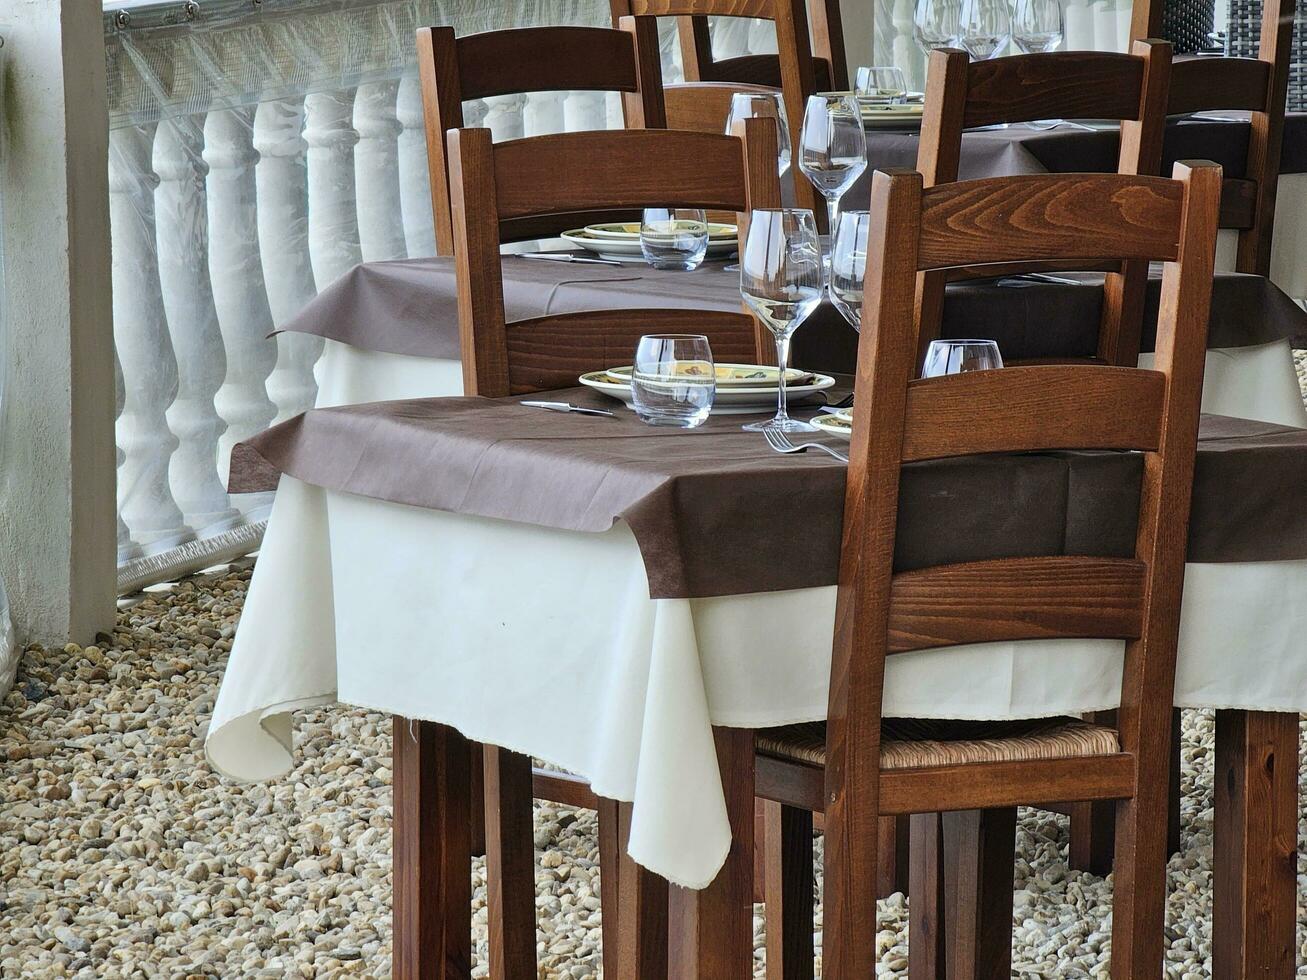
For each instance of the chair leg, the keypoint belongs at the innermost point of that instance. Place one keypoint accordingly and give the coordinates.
(849, 920)
(477, 770)
(432, 853)
(979, 851)
(893, 870)
(642, 920)
(1139, 887)
(610, 884)
(1256, 845)
(510, 864)
(789, 908)
(927, 917)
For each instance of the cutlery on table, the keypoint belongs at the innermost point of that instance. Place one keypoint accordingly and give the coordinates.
(567, 257)
(780, 442)
(568, 407)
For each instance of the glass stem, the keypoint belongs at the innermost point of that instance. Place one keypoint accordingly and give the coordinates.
(782, 362)
(832, 215)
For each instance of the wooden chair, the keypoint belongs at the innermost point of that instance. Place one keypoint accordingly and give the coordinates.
(1257, 85)
(534, 187)
(793, 69)
(857, 768)
(1070, 85)
(534, 59)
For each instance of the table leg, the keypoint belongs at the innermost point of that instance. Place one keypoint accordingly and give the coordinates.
(642, 921)
(979, 849)
(790, 884)
(610, 884)
(510, 863)
(712, 929)
(432, 852)
(927, 914)
(1254, 897)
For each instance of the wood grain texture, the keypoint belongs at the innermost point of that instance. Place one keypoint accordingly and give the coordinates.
(510, 864)
(432, 853)
(703, 106)
(560, 787)
(1016, 599)
(928, 917)
(442, 110)
(1033, 408)
(1254, 880)
(1200, 84)
(610, 886)
(1047, 217)
(1055, 85)
(789, 891)
(643, 903)
(979, 892)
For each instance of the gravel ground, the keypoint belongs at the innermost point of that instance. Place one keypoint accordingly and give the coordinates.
(123, 855)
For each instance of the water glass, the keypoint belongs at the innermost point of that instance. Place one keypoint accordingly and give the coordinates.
(935, 24)
(764, 105)
(848, 265)
(955, 356)
(882, 85)
(673, 381)
(781, 283)
(674, 238)
(1037, 25)
(833, 146)
(984, 27)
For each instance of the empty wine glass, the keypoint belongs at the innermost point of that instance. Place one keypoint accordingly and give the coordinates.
(935, 24)
(1037, 25)
(848, 265)
(984, 27)
(763, 105)
(781, 283)
(833, 146)
(882, 85)
(956, 356)
(674, 238)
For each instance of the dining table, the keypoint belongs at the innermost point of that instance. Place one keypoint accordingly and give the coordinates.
(611, 598)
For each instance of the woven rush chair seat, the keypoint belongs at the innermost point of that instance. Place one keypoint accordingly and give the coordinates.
(910, 743)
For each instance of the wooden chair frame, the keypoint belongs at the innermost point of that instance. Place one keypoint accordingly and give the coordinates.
(1065, 84)
(879, 613)
(532, 59)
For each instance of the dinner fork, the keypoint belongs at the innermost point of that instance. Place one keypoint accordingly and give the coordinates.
(780, 442)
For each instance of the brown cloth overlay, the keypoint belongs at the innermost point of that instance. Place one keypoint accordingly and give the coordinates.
(716, 512)
(410, 307)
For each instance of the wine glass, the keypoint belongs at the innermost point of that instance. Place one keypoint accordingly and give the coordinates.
(781, 283)
(984, 27)
(935, 24)
(956, 356)
(833, 146)
(763, 105)
(848, 265)
(882, 85)
(1037, 25)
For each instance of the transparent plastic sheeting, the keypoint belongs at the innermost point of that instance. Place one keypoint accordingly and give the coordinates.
(8, 641)
(257, 152)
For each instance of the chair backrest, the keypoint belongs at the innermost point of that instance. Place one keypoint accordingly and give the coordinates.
(899, 420)
(546, 181)
(702, 106)
(534, 59)
(796, 66)
(1058, 85)
(1258, 85)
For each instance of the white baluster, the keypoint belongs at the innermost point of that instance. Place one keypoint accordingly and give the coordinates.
(504, 117)
(669, 49)
(543, 114)
(900, 47)
(730, 37)
(760, 37)
(281, 181)
(474, 113)
(614, 117)
(333, 214)
(182, 234)
(376, 172)
(145, 353)
(236, 273)
(584, 110)
(1104, 25)
(1079, 26)
(127, 548)
(414, 177)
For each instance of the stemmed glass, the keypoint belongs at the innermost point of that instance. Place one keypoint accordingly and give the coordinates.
(984, 27)
(781, 283)
(957, 356)
(1037, 25)
(764, 105)
(833, 146)
(935, 24)
(848, 265)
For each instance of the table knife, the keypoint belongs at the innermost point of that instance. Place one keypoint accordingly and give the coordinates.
(567, 407)
(567, 257)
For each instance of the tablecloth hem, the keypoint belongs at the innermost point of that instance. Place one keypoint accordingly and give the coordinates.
(262, 717)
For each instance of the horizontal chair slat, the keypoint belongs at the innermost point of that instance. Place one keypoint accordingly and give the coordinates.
(552, 58)
(1016, 599)
(687, 8)
(550, 351)
(1044, 218)
(535, 226)
(1202, 84)
(1022, 409)
(627, 169)
(1063, 84)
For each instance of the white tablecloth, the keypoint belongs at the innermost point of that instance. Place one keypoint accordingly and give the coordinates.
(547, 642)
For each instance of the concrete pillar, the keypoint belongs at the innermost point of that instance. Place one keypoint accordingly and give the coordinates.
(58, 532)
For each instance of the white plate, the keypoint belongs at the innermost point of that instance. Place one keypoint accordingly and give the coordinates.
(892, 116)
(630, 230)
(838, 425)
(626, 250)
(728, 401)
(735, 375)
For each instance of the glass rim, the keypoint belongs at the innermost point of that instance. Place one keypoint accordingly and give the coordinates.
(965, 342)
(674, 336)
(781, 211)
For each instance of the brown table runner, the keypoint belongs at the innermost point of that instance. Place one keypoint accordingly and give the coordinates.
(410, 307)
(715, 512)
